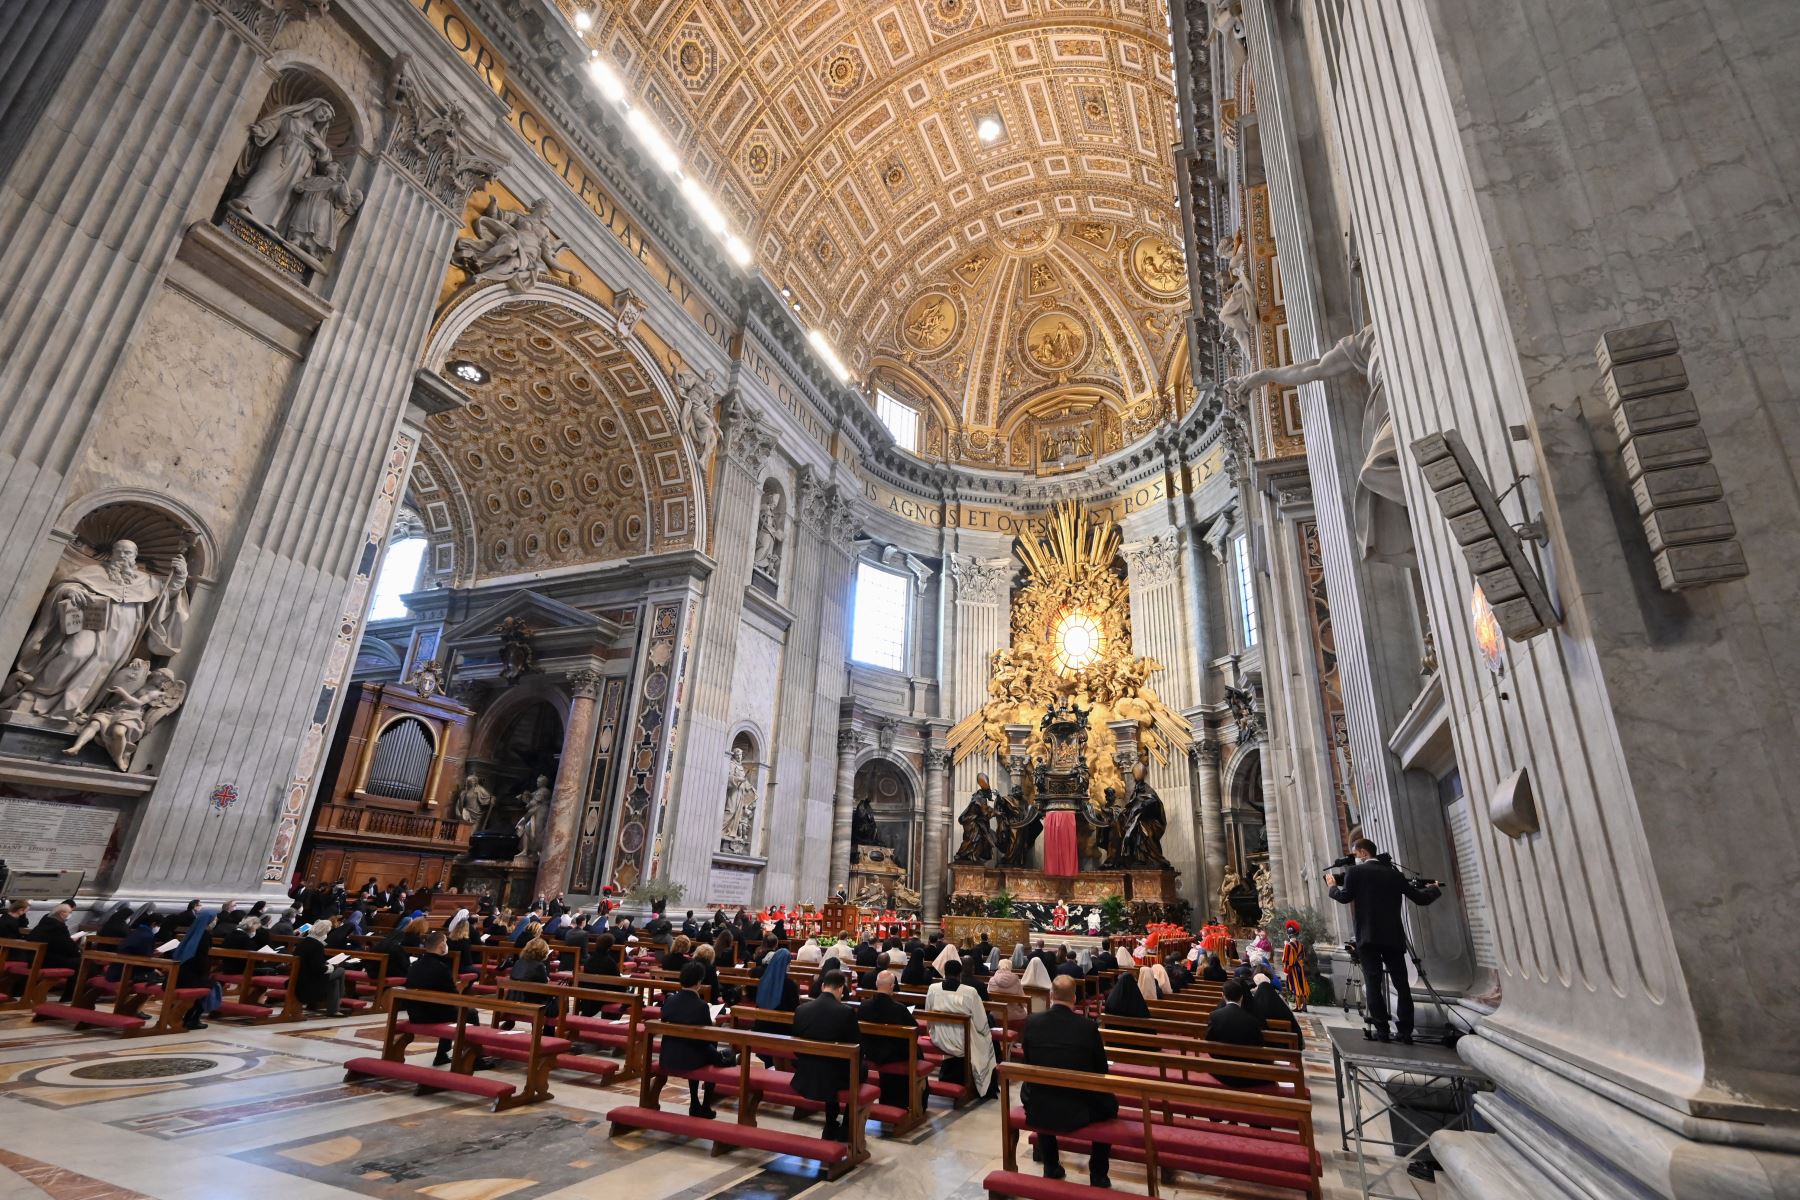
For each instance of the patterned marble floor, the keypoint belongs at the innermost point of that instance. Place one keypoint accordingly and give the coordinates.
(237, 1113)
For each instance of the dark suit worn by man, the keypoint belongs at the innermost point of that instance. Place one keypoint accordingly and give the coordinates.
(883, 1009)
(827, 1019)
(1235, 1025)
(1064, 1039)
(1376, 888)
(431, 972)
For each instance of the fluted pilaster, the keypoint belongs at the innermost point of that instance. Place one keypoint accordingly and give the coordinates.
(571, 785)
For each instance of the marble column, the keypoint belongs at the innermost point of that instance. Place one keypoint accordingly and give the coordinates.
(133, 142)
(571, 780)
(1205, 758)
(937, 828)
(794, 706)
(849, 743)
(819, 860)
(269, 681)
(1272, 822)
(697, 808)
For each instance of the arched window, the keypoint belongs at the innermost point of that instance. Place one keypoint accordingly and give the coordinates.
(400, 565)
(901, 418)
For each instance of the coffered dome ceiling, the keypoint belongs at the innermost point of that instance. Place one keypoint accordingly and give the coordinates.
(567, 454)
(1027, 290)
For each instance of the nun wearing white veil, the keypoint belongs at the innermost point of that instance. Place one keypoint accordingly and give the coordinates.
(1037, 977)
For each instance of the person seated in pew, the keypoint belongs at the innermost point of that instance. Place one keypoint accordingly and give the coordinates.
(116, 923)
(340, 935)
(826, 1019)
(431, 971)
(704, 954)
(284, 924)
(1006, 985)
(15, 922)
(1148, 984)
(1064, 1039)
(247, 934)
(688, 1007)
(394, 946)
(1269, 1004)
(972, 974)
(1234, 1024)
(1213, 971)
(774, 990)
(1125, 999)
(194, 955)
(677, 957)
(140, 941)
(61, 951)
(1065, 965)
(724, 950)
(883, 1009)
(916, 973)
(810, 953)
(976, 1056)
(1180, 977)
(532, 966)
(316, 983)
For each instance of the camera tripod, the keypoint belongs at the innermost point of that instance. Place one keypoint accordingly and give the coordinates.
(1452, 1034)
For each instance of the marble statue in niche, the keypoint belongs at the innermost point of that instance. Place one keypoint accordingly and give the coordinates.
(740, 805)
(532, 827)
(96, 618)
(1227, 886)
(977, 821)
(1381, 523)
(326, 200)
(1265, 889)
(694, 413)
(1145, 822)
(515, 248)
(769, 522)
(1238, 311)
(473, 801)
(292, 144)
(136, 699)
(863, 829)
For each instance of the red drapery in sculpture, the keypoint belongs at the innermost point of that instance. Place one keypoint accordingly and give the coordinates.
(1062, 853)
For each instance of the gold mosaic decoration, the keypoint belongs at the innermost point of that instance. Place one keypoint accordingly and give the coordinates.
(1071, 640)
(841, 138)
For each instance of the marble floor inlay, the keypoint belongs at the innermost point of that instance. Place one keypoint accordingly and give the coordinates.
(264, 1113)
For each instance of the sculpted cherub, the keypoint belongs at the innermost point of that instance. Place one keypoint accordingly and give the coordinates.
(134, 701)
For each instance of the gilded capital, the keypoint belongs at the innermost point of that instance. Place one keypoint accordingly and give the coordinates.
(584, 685)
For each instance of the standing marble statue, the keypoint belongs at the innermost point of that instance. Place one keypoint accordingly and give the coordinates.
(1381, 524)
(325, 202)
(768, 535)
(473, 802)
(1108, 826)
(1265, 890)
(1145, 822)
(977, 821)
(292, 140)
(740, 806)
(694, 413)
(511, 247)
(1237, 313)
(1227, 886)
(532, 827)
(95, 619)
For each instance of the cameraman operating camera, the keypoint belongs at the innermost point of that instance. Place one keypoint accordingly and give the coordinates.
(1375, 885)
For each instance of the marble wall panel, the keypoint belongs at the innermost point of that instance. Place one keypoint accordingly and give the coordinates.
(190, 414)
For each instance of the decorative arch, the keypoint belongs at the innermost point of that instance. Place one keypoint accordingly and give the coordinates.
(498, 715)
(158, 523)
(570, 452)
(437, 495)
(358, 129)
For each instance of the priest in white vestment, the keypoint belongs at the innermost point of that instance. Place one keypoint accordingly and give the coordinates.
(951, 995)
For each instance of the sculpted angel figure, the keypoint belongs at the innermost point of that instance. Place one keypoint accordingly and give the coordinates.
(513, 247)
(473, 801)
(1381, 523)
(695, 413)
(293, 145)
(136, 699)
(532, 827)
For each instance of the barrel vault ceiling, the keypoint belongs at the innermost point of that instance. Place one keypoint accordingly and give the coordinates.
(1026, 290)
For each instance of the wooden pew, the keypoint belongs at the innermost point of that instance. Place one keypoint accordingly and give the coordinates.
(26, 982)
(1273, 1035)
(1158, 1136)
(251, 995)
(563, 1021)
(749, 1083)
(129, 996)
(902, 1120)
(470, 1042)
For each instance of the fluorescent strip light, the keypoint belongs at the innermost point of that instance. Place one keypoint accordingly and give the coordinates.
(606, 79)
(823, 349)
(739, 250)
(660, 151)
(708, 210)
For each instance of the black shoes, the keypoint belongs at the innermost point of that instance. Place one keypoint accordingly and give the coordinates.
(442, 1060)
(1406, 1039)
(703, 1111)
(1100, 1181)
(1054, 1171)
